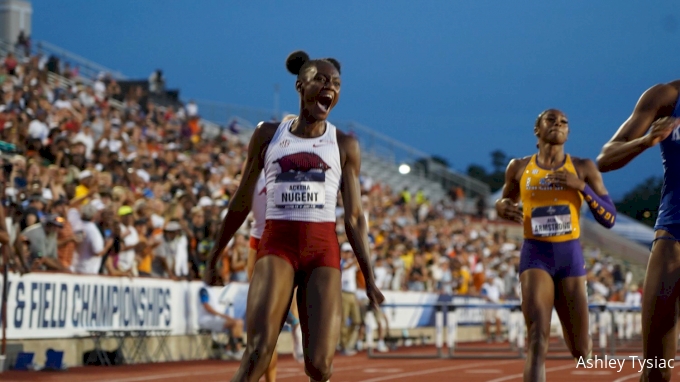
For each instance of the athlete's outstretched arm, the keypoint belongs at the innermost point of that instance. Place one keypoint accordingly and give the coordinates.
(355, 222)
(240, 204)
(630, 139)
(506, 206)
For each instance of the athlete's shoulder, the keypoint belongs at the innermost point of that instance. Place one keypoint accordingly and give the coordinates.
(518, 164)
(345, 137)
(266, 129)
(348, 142)
(578, 161)
(584, 166)
(661, 95)
(348, 146)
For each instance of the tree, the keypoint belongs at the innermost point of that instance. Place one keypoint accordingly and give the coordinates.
(420, 166)
(478, 172)
(499, 160)
(495, 178)
(440, 160)
(642, 202)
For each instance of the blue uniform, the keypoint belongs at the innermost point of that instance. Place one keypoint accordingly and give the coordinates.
(669, 208)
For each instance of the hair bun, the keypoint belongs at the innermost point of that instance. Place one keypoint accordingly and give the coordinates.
(295, 61)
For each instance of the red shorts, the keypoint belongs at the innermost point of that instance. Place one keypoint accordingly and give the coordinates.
(254, 243)
(306, 246)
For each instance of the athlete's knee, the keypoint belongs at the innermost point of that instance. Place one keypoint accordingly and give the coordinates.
(538, 336)
(260, 348)
(319, 367)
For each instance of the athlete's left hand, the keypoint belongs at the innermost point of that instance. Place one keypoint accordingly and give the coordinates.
(211, 276)
(374, 296)
(567, 180)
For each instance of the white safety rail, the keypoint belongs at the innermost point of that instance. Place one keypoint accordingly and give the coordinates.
(614, 328)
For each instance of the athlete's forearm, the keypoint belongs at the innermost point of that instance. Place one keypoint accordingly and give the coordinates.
(230, 225)
(615, 155)
(602, 207)
(4, 237)
(357, 234)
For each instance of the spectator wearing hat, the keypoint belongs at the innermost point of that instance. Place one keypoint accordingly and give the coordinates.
(172, 257)
(52, 224)
(126, 259)
(93, 246)
(41, 239)
(85, 188)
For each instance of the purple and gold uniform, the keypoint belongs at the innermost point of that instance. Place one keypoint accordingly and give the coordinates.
(551, 223)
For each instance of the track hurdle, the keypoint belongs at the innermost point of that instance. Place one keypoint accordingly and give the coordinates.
(505, 350)
(440, 312)
(607, 328)
(626, 336)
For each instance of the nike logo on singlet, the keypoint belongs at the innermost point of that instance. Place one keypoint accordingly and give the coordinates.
(322, 143)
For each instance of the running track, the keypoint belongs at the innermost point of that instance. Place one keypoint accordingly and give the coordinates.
(357, 368)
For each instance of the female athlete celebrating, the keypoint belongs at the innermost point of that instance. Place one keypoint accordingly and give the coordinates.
(657, 111)
(306, 162)
(259, 206)
(551, 186)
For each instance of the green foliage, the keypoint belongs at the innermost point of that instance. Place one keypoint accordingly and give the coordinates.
(642, 202)
(494, 178)
(440, 160)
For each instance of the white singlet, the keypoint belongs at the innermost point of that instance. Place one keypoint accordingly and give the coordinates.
(303, 175)
(259, 207)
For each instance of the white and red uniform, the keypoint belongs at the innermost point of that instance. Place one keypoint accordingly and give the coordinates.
(302, 178)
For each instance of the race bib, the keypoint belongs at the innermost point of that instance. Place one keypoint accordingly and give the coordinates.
(300, 193)
(551, 221)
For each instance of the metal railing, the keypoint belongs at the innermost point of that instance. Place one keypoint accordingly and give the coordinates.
(86, 68)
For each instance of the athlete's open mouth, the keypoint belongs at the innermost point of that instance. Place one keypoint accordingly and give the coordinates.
(324, 101)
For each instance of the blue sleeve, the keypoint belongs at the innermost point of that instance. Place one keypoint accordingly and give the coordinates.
(204, 296)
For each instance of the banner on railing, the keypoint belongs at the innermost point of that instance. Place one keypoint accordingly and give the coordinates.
(49, 305)
(44, 305)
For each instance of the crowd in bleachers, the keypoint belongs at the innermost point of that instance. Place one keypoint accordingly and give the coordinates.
(420, 246)
(101, 182)
(95, 188)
